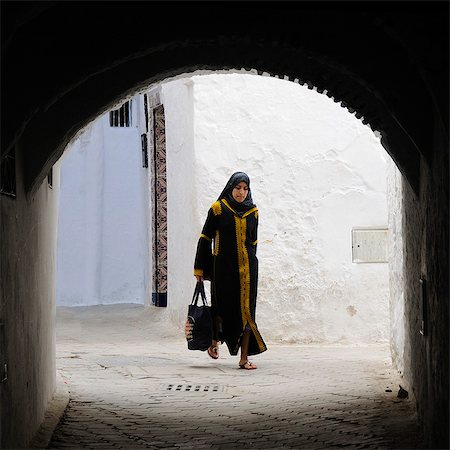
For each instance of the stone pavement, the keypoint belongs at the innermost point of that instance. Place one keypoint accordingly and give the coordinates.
(133, 384)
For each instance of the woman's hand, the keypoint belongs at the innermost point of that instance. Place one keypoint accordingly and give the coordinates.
(199, 278)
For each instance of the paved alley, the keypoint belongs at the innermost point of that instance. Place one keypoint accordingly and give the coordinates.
(134, 384)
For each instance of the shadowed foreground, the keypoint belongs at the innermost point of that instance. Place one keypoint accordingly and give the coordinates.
(134, 384)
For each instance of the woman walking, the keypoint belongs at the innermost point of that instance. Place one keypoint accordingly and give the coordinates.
(232, 267)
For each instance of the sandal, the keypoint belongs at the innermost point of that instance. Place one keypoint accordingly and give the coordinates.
(213, 352)
(247, 366)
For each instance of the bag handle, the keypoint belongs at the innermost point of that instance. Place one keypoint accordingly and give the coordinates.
(199, 290)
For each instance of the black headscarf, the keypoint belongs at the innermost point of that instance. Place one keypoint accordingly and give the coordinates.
(226, 194)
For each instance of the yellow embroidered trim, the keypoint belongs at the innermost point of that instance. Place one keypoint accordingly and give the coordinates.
(205, 237)
(229, 207)
(254, 243)
(198, 272)
(216, 244)
(243, 268)
(255, 210)
(217, 208)
(235, 213)
(244, 277)
(256, 214)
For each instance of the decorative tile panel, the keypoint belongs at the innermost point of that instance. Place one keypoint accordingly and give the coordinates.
(159, 208)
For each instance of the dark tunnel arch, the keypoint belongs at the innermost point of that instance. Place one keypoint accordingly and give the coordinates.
(91, 67)
(64, 63)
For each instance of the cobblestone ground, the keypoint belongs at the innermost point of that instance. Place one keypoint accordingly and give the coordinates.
(133, 384)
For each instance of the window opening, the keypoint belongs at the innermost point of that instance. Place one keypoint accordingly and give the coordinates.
(8, 174)
(121, 117)
(146, 112)
(144, 148)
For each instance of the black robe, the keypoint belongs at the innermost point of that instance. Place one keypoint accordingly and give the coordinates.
(232, 267)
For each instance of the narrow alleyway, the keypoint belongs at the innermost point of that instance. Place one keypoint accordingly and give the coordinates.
(133, 384)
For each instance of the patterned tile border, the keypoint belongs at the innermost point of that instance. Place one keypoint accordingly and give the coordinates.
(159, 207)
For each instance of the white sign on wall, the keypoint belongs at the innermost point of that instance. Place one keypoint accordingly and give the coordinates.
(369, 245)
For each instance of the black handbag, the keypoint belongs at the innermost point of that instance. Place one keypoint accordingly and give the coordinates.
(198, 328)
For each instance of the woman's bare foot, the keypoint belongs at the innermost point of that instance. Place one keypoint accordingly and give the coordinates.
(247, 365)
(213, 351)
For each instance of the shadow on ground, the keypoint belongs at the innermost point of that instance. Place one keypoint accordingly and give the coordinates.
(133, 384)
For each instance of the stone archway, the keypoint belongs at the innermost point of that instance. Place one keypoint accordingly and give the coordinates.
(111, 69)
(373, 59)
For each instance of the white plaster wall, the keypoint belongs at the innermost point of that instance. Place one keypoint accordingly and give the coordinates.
(182, 201)
(316, 172)
(396, 264)
(102, 253)
(28, 226)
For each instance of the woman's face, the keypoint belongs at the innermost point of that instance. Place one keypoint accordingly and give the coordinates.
(240, 192)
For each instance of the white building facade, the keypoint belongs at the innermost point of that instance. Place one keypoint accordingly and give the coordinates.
(128, 233)
(103, 216)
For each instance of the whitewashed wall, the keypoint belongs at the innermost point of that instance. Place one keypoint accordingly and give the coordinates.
(316, 172)
(396, 264)
(102, 252)
(182, 200)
